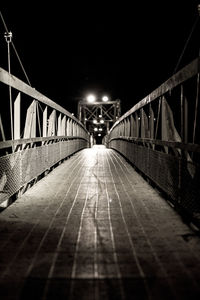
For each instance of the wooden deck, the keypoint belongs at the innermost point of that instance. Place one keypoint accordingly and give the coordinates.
(94, 229)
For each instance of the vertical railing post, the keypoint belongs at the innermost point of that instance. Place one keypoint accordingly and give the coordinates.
(137, 125)
(59, 133)
(182, 114)
(17, 105)
(51, 124)
(44, 125)
(185, 120)
(196, 109)
(151, 122)
(63, 126)
(30, 124)
(8, 37)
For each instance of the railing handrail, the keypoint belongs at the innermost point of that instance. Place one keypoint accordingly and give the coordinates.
(184, 74)
(179, 145)
(15, 143)
(21, 86)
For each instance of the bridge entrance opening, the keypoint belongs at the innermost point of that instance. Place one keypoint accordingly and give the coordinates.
(99, 116)
(99, 140)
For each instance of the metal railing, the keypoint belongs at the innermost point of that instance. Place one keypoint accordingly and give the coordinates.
(160, 135)
(36, 134)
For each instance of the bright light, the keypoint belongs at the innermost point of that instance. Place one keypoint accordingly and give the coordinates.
(91, 98)
(95, 121)
(99, 134)
(95, 129)
(100, 129)
(101, 121)
(100, 116)
(104, 98)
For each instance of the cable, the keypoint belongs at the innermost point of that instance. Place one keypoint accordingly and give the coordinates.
(3, 22)
(187, 42)
(21, 63)
(40, 107)
(6, 29)
(2, 130)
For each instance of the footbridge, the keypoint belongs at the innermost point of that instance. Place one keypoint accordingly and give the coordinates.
(114, 221)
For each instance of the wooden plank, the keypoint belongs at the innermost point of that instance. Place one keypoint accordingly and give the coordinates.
(95, 229)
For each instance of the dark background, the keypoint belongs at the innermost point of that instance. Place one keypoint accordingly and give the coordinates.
(122, 49)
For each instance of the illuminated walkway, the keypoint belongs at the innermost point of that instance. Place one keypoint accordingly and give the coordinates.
(94, 229)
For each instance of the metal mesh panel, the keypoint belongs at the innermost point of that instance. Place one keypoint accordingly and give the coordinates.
(21, 167)
(179, 178)
(33, 162)
(10, 173)
(164, 171)
(190, 187)
(53, 154)
(64, 151)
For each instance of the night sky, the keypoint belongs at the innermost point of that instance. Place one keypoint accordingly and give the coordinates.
(124, 50)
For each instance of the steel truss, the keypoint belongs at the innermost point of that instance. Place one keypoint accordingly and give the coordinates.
(99, 116)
